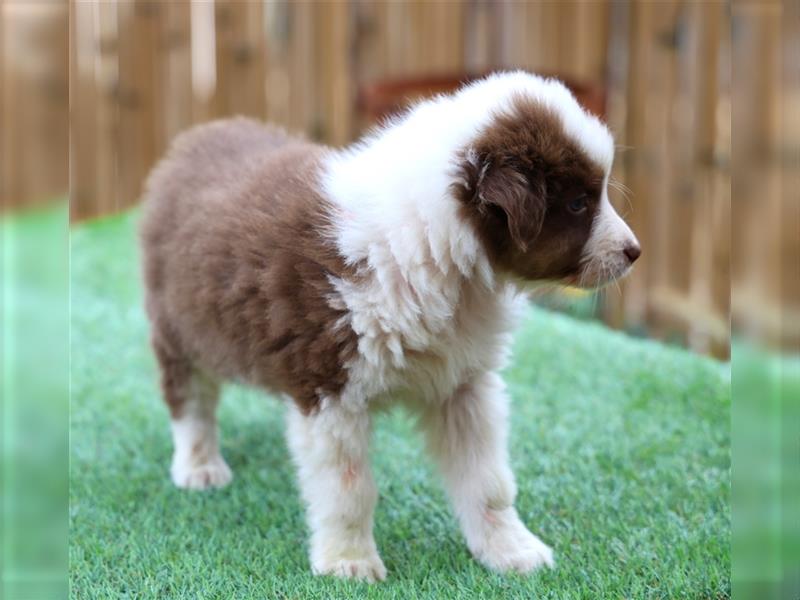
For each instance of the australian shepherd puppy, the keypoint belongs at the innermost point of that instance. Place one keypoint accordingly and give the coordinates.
(347, 280)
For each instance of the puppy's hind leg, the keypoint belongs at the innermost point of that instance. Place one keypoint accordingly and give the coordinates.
(330, 450)
(192, 397)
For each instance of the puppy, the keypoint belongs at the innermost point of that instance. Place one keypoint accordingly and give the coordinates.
(349, 280)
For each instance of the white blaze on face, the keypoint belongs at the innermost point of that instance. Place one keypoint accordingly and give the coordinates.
(611, 244)
(611, 248)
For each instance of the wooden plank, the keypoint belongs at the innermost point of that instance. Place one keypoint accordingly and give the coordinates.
(535, 42)
(715, 152)
(6, 166)
(140, 123)
(482, 20)
(240, 59)
(398, 39)
(756, 190)
(370, 52)
(687, 194)
(177, 69)
(224, 40)
(302, 72)
(513, 25)
(636, 161)
(106, 113)
(277, 29)
(790, 176)
(448, 37)
(256, 65)
(35, 101)
(721, 193)
(417, 49)
(593, 23)
(570, 41)
(204, 60)
(334, 109)
(549, 39)
(704, 55)
(613, 308)
(83, 178)
(666, 191)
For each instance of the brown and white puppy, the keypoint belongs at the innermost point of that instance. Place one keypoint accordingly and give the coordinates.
(348, 280)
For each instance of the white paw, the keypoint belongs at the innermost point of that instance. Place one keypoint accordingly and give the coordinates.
(509, 546)
(368, 568)
(214, 473)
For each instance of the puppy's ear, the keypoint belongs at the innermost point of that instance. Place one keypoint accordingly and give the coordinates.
(523, 205)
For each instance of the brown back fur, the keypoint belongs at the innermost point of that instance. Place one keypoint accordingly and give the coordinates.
(236, 265)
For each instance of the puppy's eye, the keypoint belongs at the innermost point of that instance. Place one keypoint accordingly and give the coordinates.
(577, 205)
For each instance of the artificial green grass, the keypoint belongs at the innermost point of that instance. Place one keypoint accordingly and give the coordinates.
(34, 402)
(620, 446)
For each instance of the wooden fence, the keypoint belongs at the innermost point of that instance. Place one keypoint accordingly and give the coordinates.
(34, 105)
(143, 70)
(765, 233)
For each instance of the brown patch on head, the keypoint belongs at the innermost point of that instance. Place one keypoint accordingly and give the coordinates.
(237, 267)
(519, 184)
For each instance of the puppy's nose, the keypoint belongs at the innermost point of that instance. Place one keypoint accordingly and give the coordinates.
(632, 251)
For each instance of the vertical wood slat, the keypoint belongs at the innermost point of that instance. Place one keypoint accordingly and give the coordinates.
(301, 68)
(334, 34)
(681, 43)
(35, 61)
(7, 193)
(717, 157)
(240, 51)
(708, 186)
(664, 190)
(772, 136)
(416, 42)
(370, 61)
(106, 113)
(615, 307)
(753, 197)
(591, 40)
(277, 29)
(82, 180)
(204, 58)
(481, 22)
(398, 39)
(448, 37)
(790, 177)
(223, 60)
(48, 104)
(639, 52)
(140, 125)
(370, 41)
(176, 71)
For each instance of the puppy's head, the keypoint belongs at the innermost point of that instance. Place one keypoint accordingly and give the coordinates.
(534, 184)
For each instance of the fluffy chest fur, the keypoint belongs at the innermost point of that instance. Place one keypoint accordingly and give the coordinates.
(426, 306)
(421, 337)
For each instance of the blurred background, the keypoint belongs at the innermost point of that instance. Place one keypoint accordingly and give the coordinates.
(658, 72)
(91, 92)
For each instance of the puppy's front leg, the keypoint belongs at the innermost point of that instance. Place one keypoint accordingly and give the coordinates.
(330, 449)
(467, 436)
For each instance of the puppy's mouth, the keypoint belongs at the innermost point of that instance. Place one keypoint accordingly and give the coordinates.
(596, 274)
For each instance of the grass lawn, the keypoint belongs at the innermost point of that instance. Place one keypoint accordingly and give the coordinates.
(620, 446)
